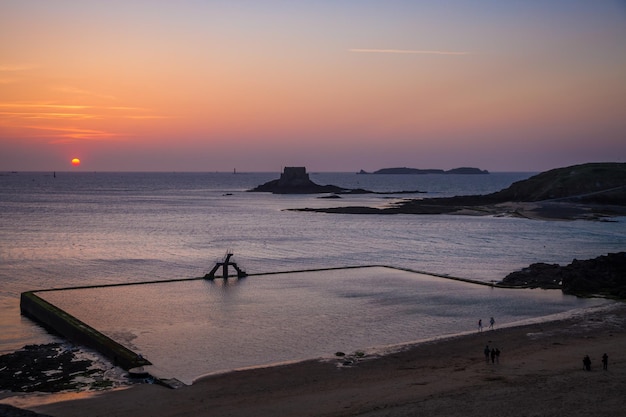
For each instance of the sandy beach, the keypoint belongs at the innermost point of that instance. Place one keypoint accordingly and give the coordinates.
(540, 373)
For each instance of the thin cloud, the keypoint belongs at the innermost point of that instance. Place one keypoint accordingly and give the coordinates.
(45, 106)
(37, 115)
(72, 133)
(147, 117)
(41, 115)
(16, 68)
(39, 111)
(127, 108)
(408, 51)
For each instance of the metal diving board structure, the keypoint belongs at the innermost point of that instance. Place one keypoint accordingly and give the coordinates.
(224, 264)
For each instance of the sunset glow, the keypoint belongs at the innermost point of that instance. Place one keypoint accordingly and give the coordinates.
(334, 86)
(76, 162)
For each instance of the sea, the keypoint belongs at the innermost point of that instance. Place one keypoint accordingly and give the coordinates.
(73, 229)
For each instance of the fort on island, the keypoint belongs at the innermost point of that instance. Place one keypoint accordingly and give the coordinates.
(295, 180)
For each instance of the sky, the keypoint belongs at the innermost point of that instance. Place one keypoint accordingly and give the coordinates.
(202, 85)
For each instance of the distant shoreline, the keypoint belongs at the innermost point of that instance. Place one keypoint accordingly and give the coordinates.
(418, 171)
(541, 210)
(592, 191)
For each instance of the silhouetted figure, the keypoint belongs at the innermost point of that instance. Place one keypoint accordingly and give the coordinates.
(605, 362)
(487, 351)
(480, 325)
(587, 363)
(493, 356)
(497, 355)
(491, 323)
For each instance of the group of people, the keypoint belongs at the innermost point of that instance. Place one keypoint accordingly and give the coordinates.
(587, 362)
(493, 354)
(492, 322)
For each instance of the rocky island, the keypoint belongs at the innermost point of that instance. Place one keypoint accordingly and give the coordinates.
(593, 191)
(295, 180)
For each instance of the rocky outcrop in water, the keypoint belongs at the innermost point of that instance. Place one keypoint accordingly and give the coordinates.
(295, 180)
(604, 275)
(50, 368)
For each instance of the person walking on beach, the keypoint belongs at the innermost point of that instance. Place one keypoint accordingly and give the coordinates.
(493, 355)
(480, 325)
(587, 363)
(605, 362)
(497, 355)
(487, 351)
(491, 323)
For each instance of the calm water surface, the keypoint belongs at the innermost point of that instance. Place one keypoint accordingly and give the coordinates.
(191, 328)
(103, 228)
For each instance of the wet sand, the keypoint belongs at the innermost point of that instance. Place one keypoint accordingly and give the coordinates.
(539, 373)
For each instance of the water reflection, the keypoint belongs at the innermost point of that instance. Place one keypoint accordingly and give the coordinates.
(195, 327)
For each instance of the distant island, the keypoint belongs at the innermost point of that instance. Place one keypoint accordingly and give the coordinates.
(593, 191)
(416, 171)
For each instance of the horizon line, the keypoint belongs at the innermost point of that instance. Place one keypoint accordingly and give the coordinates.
(95, 171)
(407, 51)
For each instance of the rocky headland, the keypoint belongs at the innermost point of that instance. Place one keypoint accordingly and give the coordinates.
(594, 191)
(601, 276)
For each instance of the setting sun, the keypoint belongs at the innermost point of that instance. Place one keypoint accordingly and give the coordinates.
(75, 162)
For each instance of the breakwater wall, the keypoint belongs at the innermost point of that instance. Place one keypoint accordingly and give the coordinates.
(444, 276)
(68, 326)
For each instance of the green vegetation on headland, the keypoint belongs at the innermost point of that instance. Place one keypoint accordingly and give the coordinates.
(602, 276)
(591, 191)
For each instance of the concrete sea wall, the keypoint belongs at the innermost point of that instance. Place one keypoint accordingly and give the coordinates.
(66, 325)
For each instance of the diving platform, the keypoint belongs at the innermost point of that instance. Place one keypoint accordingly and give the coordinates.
(224, 264)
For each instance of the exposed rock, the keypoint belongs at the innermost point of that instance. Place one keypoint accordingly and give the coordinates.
(51, 368)
(537, 275)
(604, 275)
(295, 180)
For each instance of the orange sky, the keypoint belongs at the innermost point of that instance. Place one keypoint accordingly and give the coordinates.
(335, 86)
